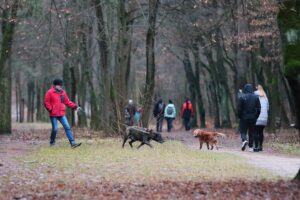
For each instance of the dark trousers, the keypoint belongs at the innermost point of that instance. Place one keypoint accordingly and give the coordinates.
(169, 123)
(247, 126)
(187, 123)
(159, 123)
(258, 136)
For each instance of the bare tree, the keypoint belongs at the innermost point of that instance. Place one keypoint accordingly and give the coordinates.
(9, 15)
(150, 61)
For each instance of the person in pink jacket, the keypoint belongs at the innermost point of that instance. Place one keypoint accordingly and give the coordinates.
(55, 100)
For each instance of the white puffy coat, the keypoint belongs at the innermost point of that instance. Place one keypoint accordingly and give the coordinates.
(263, 116)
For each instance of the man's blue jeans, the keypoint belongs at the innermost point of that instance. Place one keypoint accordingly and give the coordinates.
(64, 121)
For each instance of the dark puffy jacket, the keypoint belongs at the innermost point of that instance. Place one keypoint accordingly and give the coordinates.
(55, 102)
(159, 109)
(248, 104)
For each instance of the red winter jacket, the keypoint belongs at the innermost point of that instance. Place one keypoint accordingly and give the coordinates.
(187, 110)
(55, 102)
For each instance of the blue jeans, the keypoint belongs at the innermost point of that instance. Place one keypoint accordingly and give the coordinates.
(64, 121)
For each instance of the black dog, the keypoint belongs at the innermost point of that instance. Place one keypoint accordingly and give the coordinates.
(135, 133)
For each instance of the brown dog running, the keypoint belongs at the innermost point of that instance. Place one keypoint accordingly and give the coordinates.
(210, 138)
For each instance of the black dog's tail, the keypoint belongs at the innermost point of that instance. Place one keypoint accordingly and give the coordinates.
(126, 134)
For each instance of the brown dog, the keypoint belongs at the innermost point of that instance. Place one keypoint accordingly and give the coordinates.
(210, 138)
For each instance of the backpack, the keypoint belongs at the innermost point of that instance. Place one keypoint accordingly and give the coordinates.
(170, 110)
(187, 112)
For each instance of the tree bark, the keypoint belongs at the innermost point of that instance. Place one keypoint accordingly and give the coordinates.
(242, 55)
(22, 108)
(290, 13)
(30, 100)
(8, 26)
(83, 77)
(199, 100)
(104, 60)
(150, 62)
(18, 95)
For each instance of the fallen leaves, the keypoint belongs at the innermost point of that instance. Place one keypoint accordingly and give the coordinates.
(31, 179)
(237, 189)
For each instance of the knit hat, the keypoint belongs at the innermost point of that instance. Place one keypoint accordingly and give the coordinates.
(58, 82)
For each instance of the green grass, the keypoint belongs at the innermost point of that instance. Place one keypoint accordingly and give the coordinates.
(169, 161)
(290, 149)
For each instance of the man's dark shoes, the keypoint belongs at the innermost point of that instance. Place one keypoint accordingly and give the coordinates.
(74, 145)
(244, 145)
(256, 149)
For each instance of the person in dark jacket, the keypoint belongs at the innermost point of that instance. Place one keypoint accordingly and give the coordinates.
(158, 113)
(187, 112)
(248, 112)
(55, 100)
(130, 112)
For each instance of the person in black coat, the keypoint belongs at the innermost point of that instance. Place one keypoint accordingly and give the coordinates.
(248, 112)
(158, 113)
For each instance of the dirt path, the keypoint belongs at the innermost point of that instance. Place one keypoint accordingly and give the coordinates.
(284, 166)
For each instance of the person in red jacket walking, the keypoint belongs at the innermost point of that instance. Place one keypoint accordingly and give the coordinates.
(187, 112)
(55, 100)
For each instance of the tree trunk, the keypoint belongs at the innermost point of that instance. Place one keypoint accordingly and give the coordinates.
(30, 100)
(41, 89)
(83, 78)
(104, 58)
(150, 62)
(8, 26)
(199, 100)
(242, 55)
(291, 45)
(294, 83)
(67, 84)
(212, 69)
(22, 108)
(18, 96)
(224, 92)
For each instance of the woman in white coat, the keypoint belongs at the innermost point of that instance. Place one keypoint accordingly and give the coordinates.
(262, 120)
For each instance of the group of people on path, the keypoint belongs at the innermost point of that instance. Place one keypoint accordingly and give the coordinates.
(160, 112)
(253, 113)
(168, 112)
(252, 110)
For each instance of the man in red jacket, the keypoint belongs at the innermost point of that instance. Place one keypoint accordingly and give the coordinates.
(187, 112)
(55, 100)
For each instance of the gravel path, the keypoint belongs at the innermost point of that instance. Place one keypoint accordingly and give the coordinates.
(281, 165)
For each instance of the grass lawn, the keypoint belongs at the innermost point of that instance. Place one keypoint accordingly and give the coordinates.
(105, 159)
(289, 149)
